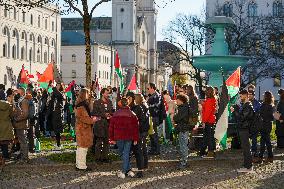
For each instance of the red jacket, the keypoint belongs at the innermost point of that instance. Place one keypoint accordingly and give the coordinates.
(209, 110)
(124, 125)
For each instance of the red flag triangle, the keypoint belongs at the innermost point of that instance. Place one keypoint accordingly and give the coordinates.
(132, 86)
(235, 79)
(47, 74)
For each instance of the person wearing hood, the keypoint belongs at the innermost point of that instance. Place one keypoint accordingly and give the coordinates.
(181, 119)
(6, 128)
(208, 122)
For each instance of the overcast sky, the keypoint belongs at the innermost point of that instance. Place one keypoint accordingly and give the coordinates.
(165, 14)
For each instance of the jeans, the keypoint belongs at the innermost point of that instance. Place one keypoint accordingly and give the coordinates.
(140, 152)
(265, 141)
(183, 146)
(124, 147)
(22, 137)
(154, 139)
(244, 137)
(208, 138)
(254, 144)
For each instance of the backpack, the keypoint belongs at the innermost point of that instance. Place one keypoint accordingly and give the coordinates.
(145, 118)
(32, 109)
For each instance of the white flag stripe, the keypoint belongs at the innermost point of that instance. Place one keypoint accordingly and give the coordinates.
(222, 125)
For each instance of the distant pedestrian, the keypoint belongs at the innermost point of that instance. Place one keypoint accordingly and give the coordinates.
(123, 131)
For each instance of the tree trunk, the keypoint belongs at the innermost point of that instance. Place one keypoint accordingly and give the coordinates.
(87, 20)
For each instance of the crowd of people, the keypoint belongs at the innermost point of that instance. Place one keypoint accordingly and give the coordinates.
(126, 121)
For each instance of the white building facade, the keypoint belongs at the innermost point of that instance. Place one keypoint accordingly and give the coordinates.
(28, 37)
(73, 61)
(252, 9)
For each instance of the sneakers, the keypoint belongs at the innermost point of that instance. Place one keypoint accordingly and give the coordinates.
(121, 175)
(130, 174)
(245, 170)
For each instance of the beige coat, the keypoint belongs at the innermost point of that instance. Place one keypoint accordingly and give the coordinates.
(21, 115)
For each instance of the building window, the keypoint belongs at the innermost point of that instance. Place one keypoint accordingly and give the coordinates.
(122, 10)
(5, 50)
(52, 26)
(15, 14)
(46, 41)
(45, 57)
(121, 25)
(24, 17)
(52, 43)
(5, 79)
(73, 58)
(14, 51)
(39, 39)
(23, 36)
(31, 37)
(228, 9)
(99, 74)
(38, 56)
(107, 75)
(22, 53)
(73, 73)
(5, 12)
(277, 80)
(252, 9)
(277, 7)
(32, 19)
(38, 21)
(45, 24)
(107, 60)
(5, 32)
(100, 58)
(14, 33)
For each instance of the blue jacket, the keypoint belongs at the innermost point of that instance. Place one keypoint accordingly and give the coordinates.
(256, 105)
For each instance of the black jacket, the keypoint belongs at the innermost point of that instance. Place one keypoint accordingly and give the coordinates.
(142, 113)
(181, 118)
(246, 115)
(280, 126)
(266, 113)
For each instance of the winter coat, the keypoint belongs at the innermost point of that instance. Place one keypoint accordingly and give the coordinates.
(142, 113)
(280, 126)
(55, 109)
(181, 118)
(209, 111)
(100, 109)
(246, 115)
(84, 128)
(124, 125)
(266, 112)
(21, 114)
(157, 107)
(6, 128)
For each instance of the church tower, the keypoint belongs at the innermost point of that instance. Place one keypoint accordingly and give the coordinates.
(124, 19)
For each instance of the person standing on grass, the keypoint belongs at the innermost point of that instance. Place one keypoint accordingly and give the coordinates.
(181, 119)
(208, 122)
(266, 112)
(84, 128)
(245, 116)
(123, 131)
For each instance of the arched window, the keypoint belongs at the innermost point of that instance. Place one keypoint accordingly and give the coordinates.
(22, 53)
(52, 43)
(228, 9)
(277, 7)
(15, 13)
(5, 12)
(38, 21)
(5, 54)
(32, 19)
(46, 41)
(24, 16)
(45, 24)
(31, 37)
(23, 35)
(73, 58)
(6, 31)
(45, 57)
(5, 79)
(39, 39)
(14, 33)
(252, 9)
(38, 56)
(14, 51)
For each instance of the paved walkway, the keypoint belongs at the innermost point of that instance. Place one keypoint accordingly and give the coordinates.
(162, 173)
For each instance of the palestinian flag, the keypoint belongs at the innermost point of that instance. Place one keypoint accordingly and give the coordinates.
(46, 77)
(118, 71)
(68, 90)
(229, 92)
(133, 86)
(23, 79)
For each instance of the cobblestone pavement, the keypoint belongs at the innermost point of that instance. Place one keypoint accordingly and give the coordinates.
(162, 173)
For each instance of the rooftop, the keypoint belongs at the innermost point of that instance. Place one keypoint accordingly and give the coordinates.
(102, 23)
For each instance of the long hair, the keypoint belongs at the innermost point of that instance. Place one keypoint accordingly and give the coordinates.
(82, 96)
(209, 92)
(190, 91)
(268, 98)
(139, 99)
